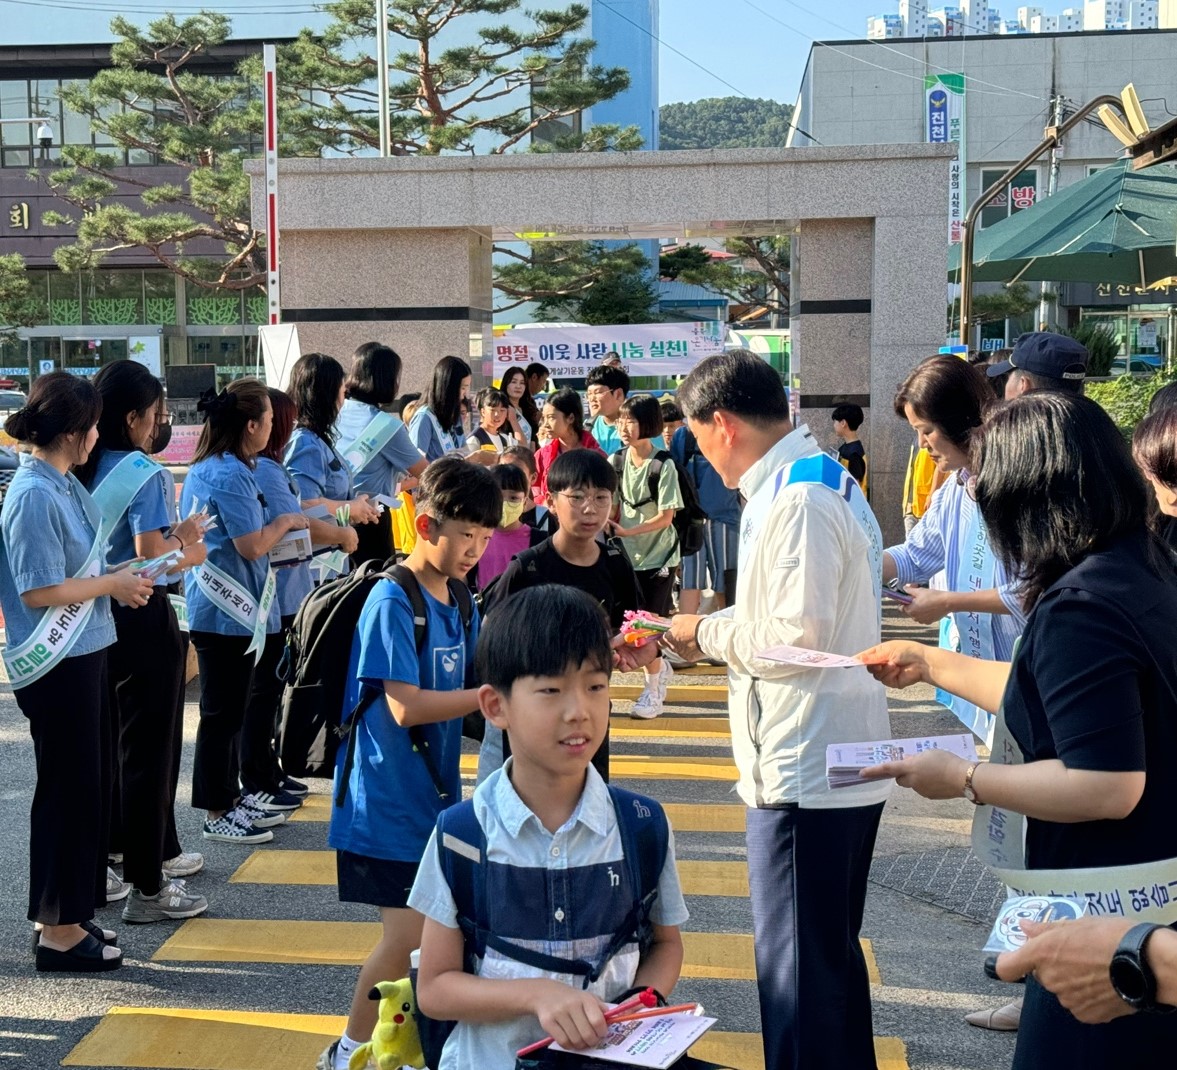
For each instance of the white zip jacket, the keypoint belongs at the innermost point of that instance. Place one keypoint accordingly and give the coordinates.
(806, 579)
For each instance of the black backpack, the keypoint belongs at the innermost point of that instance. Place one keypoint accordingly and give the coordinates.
(314, 667)
(689, 520)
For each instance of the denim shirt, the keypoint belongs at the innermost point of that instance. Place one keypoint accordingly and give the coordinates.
(281, 494)
(317, 468)
(227, 486)
(47, 530)
(399, 454)
(431, 439)
(149, 511)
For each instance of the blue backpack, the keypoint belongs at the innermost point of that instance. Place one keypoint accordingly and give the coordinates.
(461, 846)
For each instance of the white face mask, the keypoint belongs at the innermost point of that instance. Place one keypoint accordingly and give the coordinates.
(512, 511)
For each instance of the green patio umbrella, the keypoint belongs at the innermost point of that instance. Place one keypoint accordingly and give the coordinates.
(1116, 225)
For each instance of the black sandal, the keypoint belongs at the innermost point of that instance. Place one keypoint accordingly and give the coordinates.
(92, 927)
(84, 957)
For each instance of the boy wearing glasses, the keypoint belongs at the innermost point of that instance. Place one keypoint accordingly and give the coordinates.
(581, 486)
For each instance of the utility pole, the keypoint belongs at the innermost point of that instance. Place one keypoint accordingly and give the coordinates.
(1047, 314)
(382, 75)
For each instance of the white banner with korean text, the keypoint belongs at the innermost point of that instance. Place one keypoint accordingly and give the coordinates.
(644, 349)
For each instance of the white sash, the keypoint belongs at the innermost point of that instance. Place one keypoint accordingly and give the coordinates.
(976, 571)
(238, 604)
(57, 629)
(370, 441)
(116, 492)
(1143, 892)
(180, 608)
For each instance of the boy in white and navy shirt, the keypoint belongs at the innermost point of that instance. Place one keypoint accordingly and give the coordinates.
(556, 877)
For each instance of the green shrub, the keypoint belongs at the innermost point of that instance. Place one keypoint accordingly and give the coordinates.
(1102, 345)
(1126, 397)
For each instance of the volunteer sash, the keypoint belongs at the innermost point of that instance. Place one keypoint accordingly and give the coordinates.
(116, 492)
(370, 441)
(823, 469)
(1143, 892)
(180, 608)
(971, 632)
(58, 628)
(237, 603)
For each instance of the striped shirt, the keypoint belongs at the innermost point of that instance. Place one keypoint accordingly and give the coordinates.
(939, 542)
(549, 882)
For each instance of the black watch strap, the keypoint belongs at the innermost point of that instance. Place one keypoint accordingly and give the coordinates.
(1131, 976)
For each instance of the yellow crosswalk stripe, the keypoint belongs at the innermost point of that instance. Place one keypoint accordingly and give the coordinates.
(625, 727)
(318, 868)
(684, 817)
(676, 694)
(192, 1039)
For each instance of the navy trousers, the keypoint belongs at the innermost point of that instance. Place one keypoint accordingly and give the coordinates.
(808, 870)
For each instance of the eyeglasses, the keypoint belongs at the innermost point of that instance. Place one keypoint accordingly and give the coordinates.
(597, 502)
(163, 417)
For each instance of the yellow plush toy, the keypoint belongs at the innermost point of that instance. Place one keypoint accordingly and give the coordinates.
(394, 1042)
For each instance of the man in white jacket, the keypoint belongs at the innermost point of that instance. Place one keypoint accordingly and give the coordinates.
(810, 563)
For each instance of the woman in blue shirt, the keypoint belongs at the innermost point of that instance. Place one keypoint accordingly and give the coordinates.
(262, 777)
(55, 593)
(147, 662)
(436, 426)
(229, 599)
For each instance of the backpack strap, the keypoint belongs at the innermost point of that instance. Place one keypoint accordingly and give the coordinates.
(653, 475)
(645, 841)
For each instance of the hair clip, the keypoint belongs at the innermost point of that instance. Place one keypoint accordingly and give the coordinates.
(213, 404)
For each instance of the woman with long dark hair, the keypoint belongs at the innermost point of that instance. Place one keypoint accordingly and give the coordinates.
(146, 665)
(523, 416)
(55, 593)
(436, 426)
(229, 599)
(563, 423)
(1154, 445)
(1087, 711)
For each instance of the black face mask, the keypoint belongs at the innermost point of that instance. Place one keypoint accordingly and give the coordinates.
(163, 435)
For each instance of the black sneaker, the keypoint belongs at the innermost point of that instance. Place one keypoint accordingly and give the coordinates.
(294, 787)
(271, 802)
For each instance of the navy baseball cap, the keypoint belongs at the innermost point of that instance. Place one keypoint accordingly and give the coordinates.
(1044, 353)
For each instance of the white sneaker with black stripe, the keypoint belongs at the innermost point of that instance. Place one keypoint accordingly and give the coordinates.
(235, 827)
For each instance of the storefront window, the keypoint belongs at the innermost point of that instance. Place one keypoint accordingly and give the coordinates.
(159, 288)
(113, 298)
(65, 303)
(210, 308)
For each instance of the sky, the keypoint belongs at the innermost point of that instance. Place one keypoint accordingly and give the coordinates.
(710, 48)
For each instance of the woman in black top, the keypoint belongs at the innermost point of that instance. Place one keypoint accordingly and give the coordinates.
(1154, 445)
(1091, 697)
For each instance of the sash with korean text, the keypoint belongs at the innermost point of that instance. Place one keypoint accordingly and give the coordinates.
(180, 608)
(237, 603)
(116, 492)
(370, 441)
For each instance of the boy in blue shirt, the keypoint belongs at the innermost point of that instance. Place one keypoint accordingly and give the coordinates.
(407, 748)
(556, 875)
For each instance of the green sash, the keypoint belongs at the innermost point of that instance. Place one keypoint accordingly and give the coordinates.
(116, 492)
(369, 442)
(238, 604)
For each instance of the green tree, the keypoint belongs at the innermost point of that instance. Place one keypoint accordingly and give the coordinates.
(1010, 302)
(761, 277)
(561, 275)
(19, 306)
(724, 123)
(520, 73)
(624, 297)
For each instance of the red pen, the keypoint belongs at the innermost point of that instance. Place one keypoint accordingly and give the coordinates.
(648, 998)
(655, 1012)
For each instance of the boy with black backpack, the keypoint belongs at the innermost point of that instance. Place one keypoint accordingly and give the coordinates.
(548, 892)
(400, 768)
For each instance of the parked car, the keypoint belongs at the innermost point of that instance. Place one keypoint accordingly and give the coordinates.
(1137, 364)
(11, 400)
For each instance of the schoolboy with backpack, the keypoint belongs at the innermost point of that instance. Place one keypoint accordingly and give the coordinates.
(405, 701)
(548, 892)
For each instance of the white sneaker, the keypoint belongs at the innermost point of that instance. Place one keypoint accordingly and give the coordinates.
(650, 702)
(116, 888)
(183, 865)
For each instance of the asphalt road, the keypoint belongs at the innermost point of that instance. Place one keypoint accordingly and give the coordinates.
(250, 996)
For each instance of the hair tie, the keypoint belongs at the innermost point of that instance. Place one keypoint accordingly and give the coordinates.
(214, 405)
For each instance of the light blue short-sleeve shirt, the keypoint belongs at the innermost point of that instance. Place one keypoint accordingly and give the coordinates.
(395, 458)
(317, 468)
(47, 530)
(430, 438)
(227, 487)
(517, 839)
(281, 493)
(148, 511)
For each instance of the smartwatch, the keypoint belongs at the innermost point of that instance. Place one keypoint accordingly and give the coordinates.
(1130, 974)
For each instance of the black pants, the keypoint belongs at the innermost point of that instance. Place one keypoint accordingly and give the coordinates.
(69, 719)
(656, 586)
(807, 870)
(171, 843)
(146, 682)
(259, 765)
(226, 677)
(375, 541)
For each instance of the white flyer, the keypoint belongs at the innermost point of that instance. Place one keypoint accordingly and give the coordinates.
(845, 760)
(386, 501)
(808, 659)
(652, 1042)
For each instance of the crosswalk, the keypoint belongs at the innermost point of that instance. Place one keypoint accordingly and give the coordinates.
(683, 759)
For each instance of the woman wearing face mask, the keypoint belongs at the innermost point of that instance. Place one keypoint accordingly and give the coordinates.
(229, 600)
(55, 593)
(147, 662)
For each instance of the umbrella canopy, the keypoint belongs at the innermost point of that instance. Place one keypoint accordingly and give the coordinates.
(1116, 225)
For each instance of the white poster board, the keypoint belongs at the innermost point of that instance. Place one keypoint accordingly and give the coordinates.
(147, 349)
(280, 349)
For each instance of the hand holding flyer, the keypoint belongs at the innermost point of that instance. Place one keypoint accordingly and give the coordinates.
(808, 659)
(652, 1039)
(845, 760)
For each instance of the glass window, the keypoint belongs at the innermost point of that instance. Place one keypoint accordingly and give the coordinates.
(65, 302)
(212, 308)
(113, 297)
(1019, 195)
(75, 127)
(159, 290)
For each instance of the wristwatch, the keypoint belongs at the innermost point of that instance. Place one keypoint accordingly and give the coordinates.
(969, 793)
(1130, 974)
